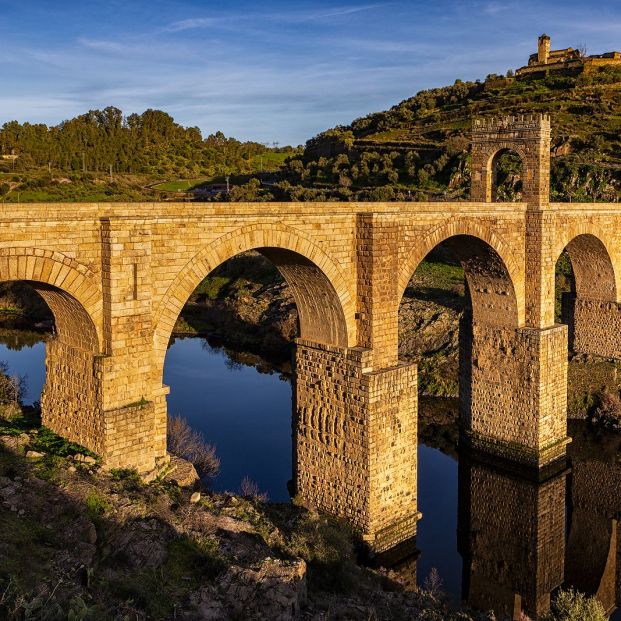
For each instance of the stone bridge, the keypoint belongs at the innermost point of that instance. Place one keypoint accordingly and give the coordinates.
(116, 277)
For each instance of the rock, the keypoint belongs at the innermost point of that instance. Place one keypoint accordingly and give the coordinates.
(150, 476)
(182, 472)
(84, 459)
(208, 607)
(276, 590)
(34, 454)
(195, 497)
(71, 469)
(144, 546)
(7, 492)
(15, 443)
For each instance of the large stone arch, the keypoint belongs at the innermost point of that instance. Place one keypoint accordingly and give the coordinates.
(591, 309)
(326, 303)
(69, 288)
(593, 263)
(71, 399)
(495, 283)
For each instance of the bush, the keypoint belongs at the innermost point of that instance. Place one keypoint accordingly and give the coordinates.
(187, 443)
(607, 412)
(12, 387)
(250, 489)
(574, 606)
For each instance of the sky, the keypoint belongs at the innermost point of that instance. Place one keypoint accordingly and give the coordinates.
(269, 70)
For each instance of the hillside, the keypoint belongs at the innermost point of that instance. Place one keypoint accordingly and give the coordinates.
(418, 149)
(104, 155)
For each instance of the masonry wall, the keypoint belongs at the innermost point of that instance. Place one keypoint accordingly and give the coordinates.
(356, 441)
(514, 394)
(71, 398)
(594, 326)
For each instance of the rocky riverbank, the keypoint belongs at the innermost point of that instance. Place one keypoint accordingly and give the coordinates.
(82, 543)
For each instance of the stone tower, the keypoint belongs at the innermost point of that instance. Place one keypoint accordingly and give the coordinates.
(543, 50)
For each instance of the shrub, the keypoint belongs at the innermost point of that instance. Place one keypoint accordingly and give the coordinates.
(12, 388)
(571, 605)
(250, 489)
(96, 505)
(187, 443)
(326, 544)
(607, 412)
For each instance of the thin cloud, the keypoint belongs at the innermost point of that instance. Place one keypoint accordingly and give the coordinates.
(191, 24)
(340, 11)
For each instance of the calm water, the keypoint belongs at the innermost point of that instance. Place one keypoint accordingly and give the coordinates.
(490, 540)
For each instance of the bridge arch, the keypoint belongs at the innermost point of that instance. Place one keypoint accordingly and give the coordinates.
(69, 288)
(492, 170)
(325, 302)
(594, 272)
(491, 270)
(71, 398)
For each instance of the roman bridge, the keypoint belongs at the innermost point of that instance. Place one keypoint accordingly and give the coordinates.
(116, 277)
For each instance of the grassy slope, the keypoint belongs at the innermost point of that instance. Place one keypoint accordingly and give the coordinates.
(435, 126)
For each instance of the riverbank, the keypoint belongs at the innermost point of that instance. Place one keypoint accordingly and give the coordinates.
(106, 545)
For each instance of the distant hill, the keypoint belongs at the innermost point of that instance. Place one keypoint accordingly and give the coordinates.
(419, 149)
(104, 155)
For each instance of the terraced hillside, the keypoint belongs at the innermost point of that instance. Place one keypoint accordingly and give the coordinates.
(419, 149)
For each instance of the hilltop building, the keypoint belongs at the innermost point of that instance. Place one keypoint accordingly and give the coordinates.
(567, 60)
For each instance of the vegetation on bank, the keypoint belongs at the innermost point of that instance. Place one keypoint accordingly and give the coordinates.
(105, 156)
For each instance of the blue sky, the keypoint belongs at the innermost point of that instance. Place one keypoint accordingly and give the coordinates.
(269, 70)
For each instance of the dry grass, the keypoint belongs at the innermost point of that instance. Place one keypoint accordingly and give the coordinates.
(187, 443)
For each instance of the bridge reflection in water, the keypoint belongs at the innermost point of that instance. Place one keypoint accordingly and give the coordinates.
(525, 533)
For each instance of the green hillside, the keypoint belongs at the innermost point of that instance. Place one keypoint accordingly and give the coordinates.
(104, 155)
(418, 149)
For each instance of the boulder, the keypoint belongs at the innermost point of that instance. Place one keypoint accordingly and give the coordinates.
(275, 590)
(34, 454)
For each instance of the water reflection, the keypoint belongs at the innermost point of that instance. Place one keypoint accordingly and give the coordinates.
(500, 538)
(511, 537)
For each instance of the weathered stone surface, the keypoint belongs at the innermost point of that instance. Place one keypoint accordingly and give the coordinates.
(275, 590)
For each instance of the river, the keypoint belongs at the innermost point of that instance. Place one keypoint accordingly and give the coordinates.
(490, 533)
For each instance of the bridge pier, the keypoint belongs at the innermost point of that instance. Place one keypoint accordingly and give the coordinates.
(355, 440)
(94, 401)
(594, 325)
(513, 392)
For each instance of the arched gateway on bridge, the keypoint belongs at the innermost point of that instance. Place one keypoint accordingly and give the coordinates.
(117, 275)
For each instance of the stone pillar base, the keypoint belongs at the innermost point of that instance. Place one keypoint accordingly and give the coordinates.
(73, 404)
(356, 441)
(594, 326)
(514, 393)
